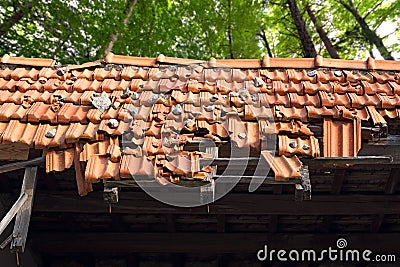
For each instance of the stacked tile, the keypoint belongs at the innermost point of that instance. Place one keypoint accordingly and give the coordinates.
(134, 116)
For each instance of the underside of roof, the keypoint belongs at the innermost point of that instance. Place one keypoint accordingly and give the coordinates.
(128, 117)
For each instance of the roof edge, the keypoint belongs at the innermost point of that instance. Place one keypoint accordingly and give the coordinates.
(265, 62)
(37, 62)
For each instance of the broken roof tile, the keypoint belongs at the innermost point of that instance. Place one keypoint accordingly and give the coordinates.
(284, 167)
(59, 160)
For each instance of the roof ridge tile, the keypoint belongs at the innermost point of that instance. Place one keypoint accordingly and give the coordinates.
(37, 62)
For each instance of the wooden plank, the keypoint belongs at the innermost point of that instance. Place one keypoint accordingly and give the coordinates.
(273, 223)
(359, 160)
(337, 181)
(21, 164)
(138, 242)
(221, 218)
(14, 151)
(232, 203)
(83, 187)
(171, 223)
(393, 180)
(377, 223)
(277, 189)
(23, 217)
(12, 212)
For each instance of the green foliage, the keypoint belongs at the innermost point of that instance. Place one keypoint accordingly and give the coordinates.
(77, 31)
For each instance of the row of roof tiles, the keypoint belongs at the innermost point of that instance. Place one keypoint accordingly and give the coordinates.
(194, 87)
(69, 113)
(265, 62)
(112, 74)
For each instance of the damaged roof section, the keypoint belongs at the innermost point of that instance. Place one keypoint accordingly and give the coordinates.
(129, 116)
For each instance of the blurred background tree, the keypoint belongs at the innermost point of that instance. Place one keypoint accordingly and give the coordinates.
(78, 31)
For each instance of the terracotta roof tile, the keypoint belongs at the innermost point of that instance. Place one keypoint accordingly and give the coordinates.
(157, 105)
(283, 167)
(341, 138)
(289, 146)
(100, 167)
(390, 113)
(40, 62)
(59, 160)
(375, 116)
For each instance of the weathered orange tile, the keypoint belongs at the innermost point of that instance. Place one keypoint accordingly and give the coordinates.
(136, 166)
(289, 146)
(341, 138)
(114, 153)
(283, 113)
(327, 99)
(396, 87)
(375, 88)
(283, 167)
(109, 85)
(298, 76)
(390, 113)
(377, 119)
(271, 100)
(59, 160)
(92, 149)
(6, 73)
(41, 112)
(131, 72)
(100, 167)
(292, 127)
(42, 137)
(7, 110)
(304, 100)
(275, 75)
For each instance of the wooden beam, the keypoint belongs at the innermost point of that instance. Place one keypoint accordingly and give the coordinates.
(232, 203)
(12, 212)
(23, 217)
(21, 164)
(326, 224)
(393, 180)
(273, 223)
(84, 187)
(221, 218)
(337, 182)
(99, 242)
(359, 160)
(277, 189)
(377, 222)
(171, 223)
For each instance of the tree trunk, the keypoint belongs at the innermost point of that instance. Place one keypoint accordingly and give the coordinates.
(114, 36)
(307, 43)
(322, 34)
(369, 34)
(263, 37)
(230, 31)
(15, 18)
